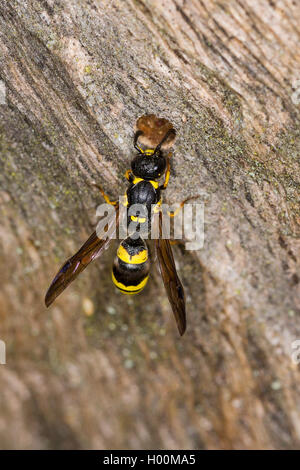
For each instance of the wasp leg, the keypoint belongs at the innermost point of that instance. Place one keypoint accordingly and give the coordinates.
(105, 196)
(129, 176)
(167, 174)
(174, 213)
(180, 242)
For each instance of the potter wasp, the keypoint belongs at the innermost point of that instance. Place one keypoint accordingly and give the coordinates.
(131, 266)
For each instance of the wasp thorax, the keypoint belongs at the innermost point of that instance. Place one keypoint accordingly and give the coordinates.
(148, 167)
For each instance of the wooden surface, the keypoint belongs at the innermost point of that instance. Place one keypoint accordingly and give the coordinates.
(101, 370)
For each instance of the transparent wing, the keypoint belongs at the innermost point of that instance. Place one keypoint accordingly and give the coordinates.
(172, 283)
(90, 250)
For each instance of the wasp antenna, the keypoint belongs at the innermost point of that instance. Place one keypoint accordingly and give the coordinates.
(167, 135)
(136, 137)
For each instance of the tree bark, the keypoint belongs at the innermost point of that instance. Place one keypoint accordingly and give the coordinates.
(101, 370)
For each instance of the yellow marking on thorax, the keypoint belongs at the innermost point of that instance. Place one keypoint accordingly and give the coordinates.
(141, 220)
(153, 182)
(130, 289)
(146, 151)
(139, 258)
(136, 180)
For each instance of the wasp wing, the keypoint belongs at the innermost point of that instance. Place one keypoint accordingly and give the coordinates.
(170, 278)
(90, 250)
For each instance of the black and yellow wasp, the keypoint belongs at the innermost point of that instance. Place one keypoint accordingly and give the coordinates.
(131, 266)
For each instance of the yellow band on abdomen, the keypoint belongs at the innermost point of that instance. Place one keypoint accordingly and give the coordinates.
(130, 289)
(139, 258)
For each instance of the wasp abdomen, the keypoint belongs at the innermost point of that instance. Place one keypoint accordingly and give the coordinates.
(131, 266)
